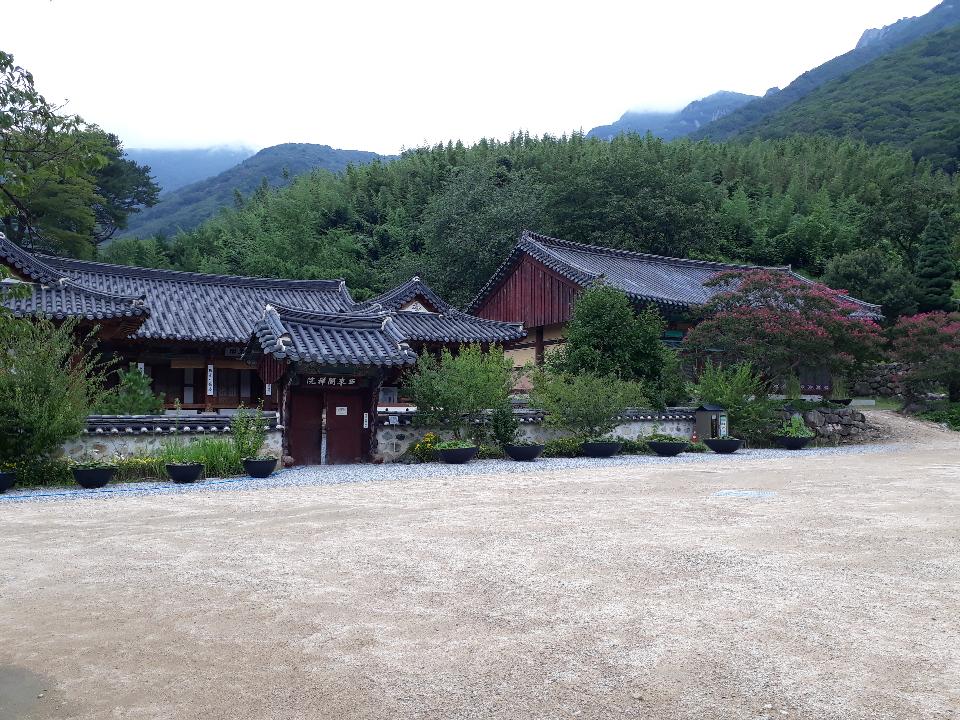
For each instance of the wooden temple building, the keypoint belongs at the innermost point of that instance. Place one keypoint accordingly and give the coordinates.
(211, 343)
(538, 281)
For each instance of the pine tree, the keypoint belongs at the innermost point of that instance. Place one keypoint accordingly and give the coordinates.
(935, 267)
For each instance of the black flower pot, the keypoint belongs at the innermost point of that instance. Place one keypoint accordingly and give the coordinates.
(523, 453)
(602, 449)
(792, 443)
(184, 472)
(93, 478)
(841, 401)
(260, 468)
(724, 446)
(665, 448)
(457, 456)
(7, 479)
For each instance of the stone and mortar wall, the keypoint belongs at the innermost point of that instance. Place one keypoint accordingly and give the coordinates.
(882, 379)
(393, 441)
(109, 436)
(839, 425)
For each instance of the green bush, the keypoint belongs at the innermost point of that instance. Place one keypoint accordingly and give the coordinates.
(743, 393)
(794, 427)
(425, 450)
(504, 425)
(454, 444)
(248, 432)
(585, 405)
(634, 447)
(41, 472)
(133, 395)
(563, 447)
(138, 468)
(697, 447)
(949, 415)
(490, 452)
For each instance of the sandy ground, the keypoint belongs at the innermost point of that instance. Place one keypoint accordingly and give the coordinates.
(615, 592)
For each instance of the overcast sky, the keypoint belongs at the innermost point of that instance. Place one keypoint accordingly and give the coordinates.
(385, 75)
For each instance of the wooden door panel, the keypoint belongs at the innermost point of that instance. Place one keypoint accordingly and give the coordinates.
(345, 433)
(306, 427)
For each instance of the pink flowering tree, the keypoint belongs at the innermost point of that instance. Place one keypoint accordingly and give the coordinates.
(930, 344)
(781, 324)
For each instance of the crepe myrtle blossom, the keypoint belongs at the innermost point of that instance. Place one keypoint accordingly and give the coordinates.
(930, 344)
(781, 324)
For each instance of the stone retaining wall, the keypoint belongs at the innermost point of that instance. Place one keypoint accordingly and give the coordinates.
(396, 433)
(882, 379)
(839, 425)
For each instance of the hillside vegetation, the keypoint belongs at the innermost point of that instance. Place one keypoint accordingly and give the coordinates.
(172, 169)
(874, 45)
(910, 97)
(188, 206)
(451, 213)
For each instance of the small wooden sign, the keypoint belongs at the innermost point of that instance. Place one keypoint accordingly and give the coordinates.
(341, 410)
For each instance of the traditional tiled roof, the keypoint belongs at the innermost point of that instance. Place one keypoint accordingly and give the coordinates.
(195, 307)
(453, 326)
(54, 295)
(330, 338)
(402, 294)
(665, 281)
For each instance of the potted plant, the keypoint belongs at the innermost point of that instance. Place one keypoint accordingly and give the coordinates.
(456, 452)
(180, 465)
(839, 394)
(665, 445)
(7, 479)
(793, 434)
(91, 474)
(505, 428)
(600, 447)
(260, 467)
(724, 445)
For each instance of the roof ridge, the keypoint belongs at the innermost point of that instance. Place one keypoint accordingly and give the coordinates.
(180, 275)
(546, 240)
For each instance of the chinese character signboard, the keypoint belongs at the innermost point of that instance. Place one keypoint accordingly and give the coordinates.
(331, 381)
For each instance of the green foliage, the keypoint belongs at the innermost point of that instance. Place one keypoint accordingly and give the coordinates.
(910, 97)
(563, 447)
(606, 337)
(792, 390)
(743, 393)
(92, 463)
(876, 276)
(490, 452)
(455, 391)
(585, 405)
(930, 344)
(697, 447)
(633, 447)
(138, 468)
(949, 415)
(454, 445)
(936, 268)
(64, 184)
(794, 427)
(131, 396)
(248, 432)
(48, 383)
(504, 425)
(451, 213)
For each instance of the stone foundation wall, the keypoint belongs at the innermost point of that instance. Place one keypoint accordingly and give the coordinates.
(882, 379)
(845, 426)
(393, 440)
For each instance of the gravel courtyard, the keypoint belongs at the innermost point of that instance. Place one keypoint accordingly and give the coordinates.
(817, 585)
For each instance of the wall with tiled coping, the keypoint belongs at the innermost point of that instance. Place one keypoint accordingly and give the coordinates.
(397, 431)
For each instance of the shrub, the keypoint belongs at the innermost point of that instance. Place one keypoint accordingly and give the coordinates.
(48, 383)
(930, 343)
(137, 468)
(634, 447)
(743, 394)
(454, 444)
(490, 452)
(949, 415)
(794, 427)
(456, 391)
(132, 395)
(697, 447)
(504, 425)
(40, 472)
(585, 405)
(426, 449)
(248, 432)
(563, 447)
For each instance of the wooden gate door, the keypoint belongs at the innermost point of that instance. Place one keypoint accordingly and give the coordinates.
(345, 431)
(306, 426)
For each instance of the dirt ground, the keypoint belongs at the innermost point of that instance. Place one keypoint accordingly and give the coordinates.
(606, 593)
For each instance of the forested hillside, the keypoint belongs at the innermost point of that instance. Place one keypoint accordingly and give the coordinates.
(873, 46)
(670, 125)
(452, 213)
(172, 169)
(910, 97)
(188, 206)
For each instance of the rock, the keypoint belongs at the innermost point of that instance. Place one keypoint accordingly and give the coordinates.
(288, 461)
(814, 418)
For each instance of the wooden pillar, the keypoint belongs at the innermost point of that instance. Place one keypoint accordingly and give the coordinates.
(539, 348)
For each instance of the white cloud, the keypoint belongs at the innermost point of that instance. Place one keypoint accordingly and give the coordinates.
(381, 75)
